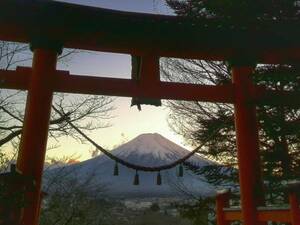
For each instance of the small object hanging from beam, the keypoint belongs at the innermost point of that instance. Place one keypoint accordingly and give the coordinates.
(145, 70)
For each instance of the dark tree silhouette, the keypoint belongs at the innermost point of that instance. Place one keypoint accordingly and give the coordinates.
(88, 112)
(279, 127)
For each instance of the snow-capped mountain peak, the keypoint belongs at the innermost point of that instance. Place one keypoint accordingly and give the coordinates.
(151, 149)
(145, 150)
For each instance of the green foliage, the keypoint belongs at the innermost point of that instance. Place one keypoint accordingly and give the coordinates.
(237, 10)
(217, 175)
(279, 127)
(4, 162)
(154, 207)
(73, 201)
(200, 213)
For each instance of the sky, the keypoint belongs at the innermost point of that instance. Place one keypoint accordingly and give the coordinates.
(145, 6)
(127, 122)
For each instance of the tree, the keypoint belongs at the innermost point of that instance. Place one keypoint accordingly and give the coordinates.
(200, 212)
(70, 200)
(87, 112)
(240, 11)
(279, 126)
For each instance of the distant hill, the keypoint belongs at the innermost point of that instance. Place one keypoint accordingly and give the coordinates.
(147, 150)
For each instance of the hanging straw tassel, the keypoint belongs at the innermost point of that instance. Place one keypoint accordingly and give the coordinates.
(158, 178)
(180, 171)
(136, 180)
(116, 169)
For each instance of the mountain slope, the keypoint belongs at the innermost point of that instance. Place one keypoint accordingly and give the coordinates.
(146, 150)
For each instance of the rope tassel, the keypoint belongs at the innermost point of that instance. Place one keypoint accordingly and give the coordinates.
(180, 171)
(158, 178)
(136, 180)
(116, 169)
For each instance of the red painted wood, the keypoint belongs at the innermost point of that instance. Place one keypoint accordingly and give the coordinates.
(150, 73)
(263, 215)
(32, 151)
(221, 203)
(19, 79)
(247, 144)
(89, 28)
(122, 87)
(14, 79)
(128, 88)
(282, 216)
(295, 210)
(235, 215)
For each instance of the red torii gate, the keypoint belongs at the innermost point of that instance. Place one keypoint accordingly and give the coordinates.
(48, 26)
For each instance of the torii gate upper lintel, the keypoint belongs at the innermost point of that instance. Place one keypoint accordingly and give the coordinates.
(89, 28)
(50, 25)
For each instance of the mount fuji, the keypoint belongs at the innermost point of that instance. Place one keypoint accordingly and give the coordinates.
(147, 150)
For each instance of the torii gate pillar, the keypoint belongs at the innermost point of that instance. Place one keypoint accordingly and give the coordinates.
(247, 144)
(33, 144)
